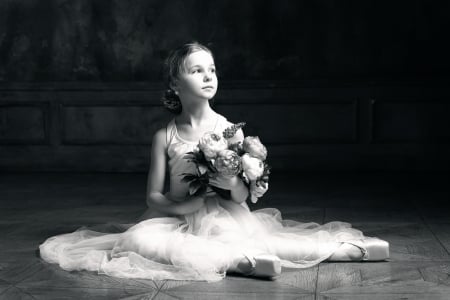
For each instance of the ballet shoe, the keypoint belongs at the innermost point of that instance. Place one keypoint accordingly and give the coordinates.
(373, 249)
(264, 266)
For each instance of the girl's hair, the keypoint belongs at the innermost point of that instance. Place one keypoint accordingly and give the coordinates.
(173, 66)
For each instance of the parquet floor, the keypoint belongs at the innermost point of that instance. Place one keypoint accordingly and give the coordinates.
(411, 211)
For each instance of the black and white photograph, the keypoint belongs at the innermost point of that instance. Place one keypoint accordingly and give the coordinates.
(224, 149)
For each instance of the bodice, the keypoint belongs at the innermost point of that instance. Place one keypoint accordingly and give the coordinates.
(177, 148)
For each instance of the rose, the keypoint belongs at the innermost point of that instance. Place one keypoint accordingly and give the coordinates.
(253, 146)
(227, 163)
(211, 143)
(253, 167)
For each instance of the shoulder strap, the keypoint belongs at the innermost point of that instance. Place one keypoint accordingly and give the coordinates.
(170, 131)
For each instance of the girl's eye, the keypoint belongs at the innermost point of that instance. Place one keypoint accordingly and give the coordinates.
(213, 70)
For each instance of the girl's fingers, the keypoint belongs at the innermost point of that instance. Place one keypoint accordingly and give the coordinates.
(224, 182)
(257, 193)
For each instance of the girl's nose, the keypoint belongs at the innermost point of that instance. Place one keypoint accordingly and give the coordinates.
(208, 76)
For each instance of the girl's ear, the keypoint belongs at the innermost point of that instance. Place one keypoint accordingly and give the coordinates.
(174, 86)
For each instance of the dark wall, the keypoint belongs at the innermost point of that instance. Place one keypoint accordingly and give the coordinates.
(327, 85)
(103, 40)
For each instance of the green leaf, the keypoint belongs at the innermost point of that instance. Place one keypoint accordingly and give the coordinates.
(194, 186)
(188, 177)
(225, 194)
(202, 169)
(211, 168)
(201, 191)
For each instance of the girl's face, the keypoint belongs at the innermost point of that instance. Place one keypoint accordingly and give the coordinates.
(199, 78)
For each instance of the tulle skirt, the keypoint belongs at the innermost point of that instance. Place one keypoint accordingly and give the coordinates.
(198, 246)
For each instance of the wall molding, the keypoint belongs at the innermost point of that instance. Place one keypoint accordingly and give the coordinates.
(347, 125)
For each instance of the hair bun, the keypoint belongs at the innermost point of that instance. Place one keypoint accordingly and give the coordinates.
(171, 101)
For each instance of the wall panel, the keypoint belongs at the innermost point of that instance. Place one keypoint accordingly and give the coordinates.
(110, 124)
(108, 127)
(308, 121)
(412, 120)
(24, 123)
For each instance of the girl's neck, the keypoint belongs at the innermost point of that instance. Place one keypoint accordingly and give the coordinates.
(195, 115)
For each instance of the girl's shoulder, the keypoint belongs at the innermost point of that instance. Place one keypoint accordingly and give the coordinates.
(160, 136)
(164, 135)
(222, 121)
(170, 131)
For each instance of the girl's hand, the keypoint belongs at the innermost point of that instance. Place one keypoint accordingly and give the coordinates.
(197, 201)
(192, 204)
(258, 189)
(225, 182)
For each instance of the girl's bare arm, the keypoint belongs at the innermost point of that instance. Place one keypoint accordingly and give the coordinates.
(155, 183)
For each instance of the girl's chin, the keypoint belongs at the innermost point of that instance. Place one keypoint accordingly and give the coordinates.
(209, 92)
(205, 96)
(208, 95)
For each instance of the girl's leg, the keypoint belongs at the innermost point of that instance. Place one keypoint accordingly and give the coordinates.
(150, 214)
(367, 249)
(311, 250)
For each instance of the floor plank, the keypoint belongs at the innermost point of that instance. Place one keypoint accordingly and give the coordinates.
(304, 279)
(51, 275)
(14, 272)
(236, 287)
(4, 286)
(407, 241)
(402, 296)
(410, 214)
(44, 292)
(425, 278)
(150, 296)
(18, 250)
(15, 293)
(372, 214)
(442, 233)
(244, 295)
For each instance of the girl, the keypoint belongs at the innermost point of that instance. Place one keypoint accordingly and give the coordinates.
(185, 237)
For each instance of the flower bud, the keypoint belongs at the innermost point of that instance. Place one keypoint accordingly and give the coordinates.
(253, 146)
(253, 167)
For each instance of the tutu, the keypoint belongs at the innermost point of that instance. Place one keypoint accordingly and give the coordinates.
(197, 246)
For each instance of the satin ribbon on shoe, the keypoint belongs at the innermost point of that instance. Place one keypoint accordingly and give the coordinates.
(373, 249)
(264, 265)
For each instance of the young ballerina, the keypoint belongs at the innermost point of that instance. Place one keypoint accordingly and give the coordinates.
(186, 237)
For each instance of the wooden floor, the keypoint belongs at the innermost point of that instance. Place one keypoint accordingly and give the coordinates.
(411, 211)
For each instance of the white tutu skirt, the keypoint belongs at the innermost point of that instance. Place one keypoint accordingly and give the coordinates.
(198, 246)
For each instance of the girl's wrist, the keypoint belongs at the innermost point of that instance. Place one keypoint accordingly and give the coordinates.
(240, 193)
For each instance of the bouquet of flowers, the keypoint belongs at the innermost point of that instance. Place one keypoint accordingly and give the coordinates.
(216, 155)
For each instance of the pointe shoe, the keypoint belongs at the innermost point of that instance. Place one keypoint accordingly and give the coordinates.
(373, 249)
(264, 265)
